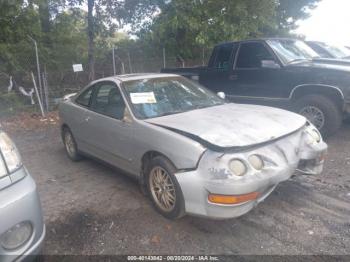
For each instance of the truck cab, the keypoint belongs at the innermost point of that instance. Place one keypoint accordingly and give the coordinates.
(280, 72)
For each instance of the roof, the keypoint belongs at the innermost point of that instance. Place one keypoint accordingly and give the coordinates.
(140, 76)
(258, 39)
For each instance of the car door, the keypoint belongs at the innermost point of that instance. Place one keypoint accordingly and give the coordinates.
(219, 68)
(257, 74)
(109, 134)
(77, 122)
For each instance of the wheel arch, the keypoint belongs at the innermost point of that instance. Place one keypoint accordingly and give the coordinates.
(63, 127)
(332, 92)
(148, 156)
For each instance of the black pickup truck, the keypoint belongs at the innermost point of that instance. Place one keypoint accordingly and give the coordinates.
(278, 72)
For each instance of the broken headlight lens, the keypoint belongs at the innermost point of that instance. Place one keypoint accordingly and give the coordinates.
(237, 167)
(9, 152)
(256, 162)
(312, 136)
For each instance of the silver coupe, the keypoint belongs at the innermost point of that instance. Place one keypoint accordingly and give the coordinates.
(192, 151)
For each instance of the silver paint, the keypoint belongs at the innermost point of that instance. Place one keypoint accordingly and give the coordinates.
(280, 135)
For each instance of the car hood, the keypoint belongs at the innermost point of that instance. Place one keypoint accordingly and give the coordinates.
(333, 61)
(328, 64)
(232, 125)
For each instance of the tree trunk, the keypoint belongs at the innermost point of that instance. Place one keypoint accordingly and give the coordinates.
(44, 15)
(91, 49)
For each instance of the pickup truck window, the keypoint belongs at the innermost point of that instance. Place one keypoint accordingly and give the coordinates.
(251, 54)
(223, 56)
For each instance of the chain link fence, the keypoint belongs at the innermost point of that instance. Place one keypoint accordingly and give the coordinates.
(17, 88)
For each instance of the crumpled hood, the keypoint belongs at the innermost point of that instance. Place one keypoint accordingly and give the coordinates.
(233, 125)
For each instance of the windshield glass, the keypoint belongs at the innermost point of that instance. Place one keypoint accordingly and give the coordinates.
(289, 50)
(157, 97)
(337, 51)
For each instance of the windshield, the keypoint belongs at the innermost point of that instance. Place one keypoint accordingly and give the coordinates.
(157, 97)
(337, 51)
(289, 50)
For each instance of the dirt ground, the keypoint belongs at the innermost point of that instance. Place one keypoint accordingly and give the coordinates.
(92, 209)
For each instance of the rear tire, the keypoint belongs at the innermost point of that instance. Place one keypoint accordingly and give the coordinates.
(70, 145)
(163, 188)
(320, 111)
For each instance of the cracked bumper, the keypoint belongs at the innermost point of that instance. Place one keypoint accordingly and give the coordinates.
(287, 156)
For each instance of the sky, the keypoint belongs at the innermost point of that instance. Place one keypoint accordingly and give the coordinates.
(329, 22)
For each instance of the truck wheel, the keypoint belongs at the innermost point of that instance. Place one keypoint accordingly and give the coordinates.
(321, 111)
(164, 189)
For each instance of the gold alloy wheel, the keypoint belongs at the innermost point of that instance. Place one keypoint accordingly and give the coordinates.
(162, 189)
(69, 143)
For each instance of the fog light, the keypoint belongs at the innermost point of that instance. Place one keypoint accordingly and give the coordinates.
(16, 236)
(231, 200)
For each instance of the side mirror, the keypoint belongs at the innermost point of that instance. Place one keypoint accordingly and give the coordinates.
(221, 95)
(269, 64)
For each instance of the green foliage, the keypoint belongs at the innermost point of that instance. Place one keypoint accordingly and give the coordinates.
(183, 26)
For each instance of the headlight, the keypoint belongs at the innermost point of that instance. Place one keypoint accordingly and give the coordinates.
(3, 171)
(237, 167)
(16, 236)
(9, 152)
(256, 162)
(313, 136)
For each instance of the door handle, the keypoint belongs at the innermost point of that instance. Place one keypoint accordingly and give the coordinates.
(233, 77)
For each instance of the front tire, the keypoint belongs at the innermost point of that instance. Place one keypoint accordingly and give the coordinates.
(321, 111)
(70, 145)
(163, 188)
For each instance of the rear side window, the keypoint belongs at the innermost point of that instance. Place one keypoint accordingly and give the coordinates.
(84, 98)
(251, 54)
(223, 56)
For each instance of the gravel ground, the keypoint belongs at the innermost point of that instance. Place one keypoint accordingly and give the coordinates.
(92, 209)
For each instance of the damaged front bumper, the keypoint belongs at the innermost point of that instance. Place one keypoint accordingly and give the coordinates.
(213, 176)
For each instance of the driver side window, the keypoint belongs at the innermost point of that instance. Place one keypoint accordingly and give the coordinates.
(252, 54)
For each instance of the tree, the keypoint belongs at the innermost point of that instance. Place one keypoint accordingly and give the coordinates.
(91, 44)
(289, 12)
(184, 25)
(104, 16)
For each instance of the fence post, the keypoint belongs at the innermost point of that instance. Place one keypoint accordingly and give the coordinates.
(164, 59)
(46, 89)
(113, 57)
(203, 56)
(130, 68)
(37, 67)
(38, 96)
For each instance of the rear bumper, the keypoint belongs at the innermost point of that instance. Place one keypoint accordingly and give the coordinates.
(20, 203)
